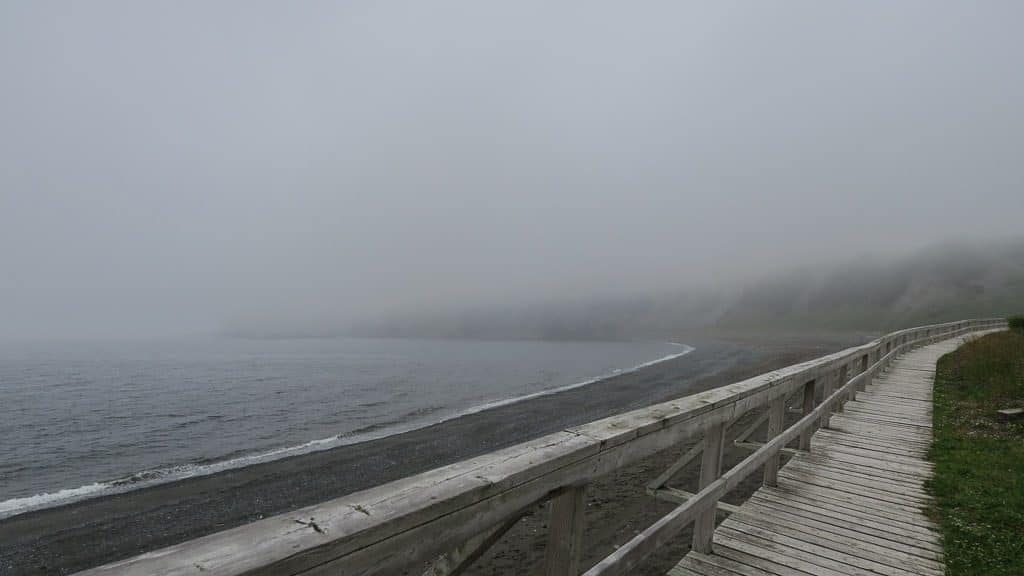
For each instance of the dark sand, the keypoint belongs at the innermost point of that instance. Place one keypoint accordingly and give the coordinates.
(77, 536)
(618, 509)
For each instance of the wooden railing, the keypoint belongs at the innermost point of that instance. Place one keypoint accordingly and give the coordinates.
(445, 518)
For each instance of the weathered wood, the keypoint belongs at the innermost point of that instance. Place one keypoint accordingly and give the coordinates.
(565, 539)
(629, 555)
(769, 556)
(462, 557)
(812, 482)
(828, 385)
(672, 494)
(827, 511)
(856, 545)
(404, 524)
(422, 516)
(701, 566)
(742, 436)
(776, 417)
(905, 447)
(855, 504)
(676, 466)
(758, 445)
(710, 470)
(746, 433)
(846, 528)
(817, 551)
(810, 388)
(905, 488)
(846, 371)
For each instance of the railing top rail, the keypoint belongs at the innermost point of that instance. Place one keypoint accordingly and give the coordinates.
(400, 524)
(628, 555)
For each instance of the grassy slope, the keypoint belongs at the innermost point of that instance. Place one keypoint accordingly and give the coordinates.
(979, 477)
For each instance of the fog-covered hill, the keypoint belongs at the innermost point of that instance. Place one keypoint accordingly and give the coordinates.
(940, 283)
(943, 282)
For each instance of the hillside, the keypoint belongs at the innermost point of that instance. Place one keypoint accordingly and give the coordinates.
(941, 283)
(944, 282)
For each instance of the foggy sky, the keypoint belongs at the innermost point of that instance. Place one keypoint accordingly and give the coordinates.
(167, 166)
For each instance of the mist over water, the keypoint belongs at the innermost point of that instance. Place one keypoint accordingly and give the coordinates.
(559, 174)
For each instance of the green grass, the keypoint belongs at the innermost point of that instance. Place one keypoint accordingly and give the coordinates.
(979, 460)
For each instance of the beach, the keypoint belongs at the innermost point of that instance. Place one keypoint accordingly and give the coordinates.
(69, 538)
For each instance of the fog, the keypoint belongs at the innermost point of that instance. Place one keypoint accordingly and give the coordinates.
(183, 167)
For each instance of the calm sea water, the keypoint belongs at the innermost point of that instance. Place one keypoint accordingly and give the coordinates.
(84, 419)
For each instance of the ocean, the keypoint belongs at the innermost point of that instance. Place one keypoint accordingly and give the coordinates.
(82, 419)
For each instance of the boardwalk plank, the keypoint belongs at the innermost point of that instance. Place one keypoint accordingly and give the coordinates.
(831, 513)
(826, 437)
(731, 567)
(760, 549)
(904, 513)
(889, 487)
(886, 457)
(762, 565)
(851, 529)
(853, 505)
(831, 454)
(849, 555)
(852, 543)
(883, 497)
(856, 470)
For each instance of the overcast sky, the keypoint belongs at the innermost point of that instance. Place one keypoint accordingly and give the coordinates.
(167, 165)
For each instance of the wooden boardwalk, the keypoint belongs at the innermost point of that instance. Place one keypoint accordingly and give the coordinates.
(852, 505)
(849, 503)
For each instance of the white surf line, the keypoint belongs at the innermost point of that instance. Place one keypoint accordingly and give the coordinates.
(21, 505)
(16, 506)
(612, 374)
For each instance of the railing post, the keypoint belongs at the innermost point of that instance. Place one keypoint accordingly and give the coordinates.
(838, 406)
(776, 416)
(710, 470)
(808, 407)
(565, 536)
(843, 379)
(864, 363)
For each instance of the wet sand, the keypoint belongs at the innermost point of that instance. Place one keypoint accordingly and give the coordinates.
(69, 538)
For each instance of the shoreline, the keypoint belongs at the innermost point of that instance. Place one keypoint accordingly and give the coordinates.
(173, 473)
(106, 528)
